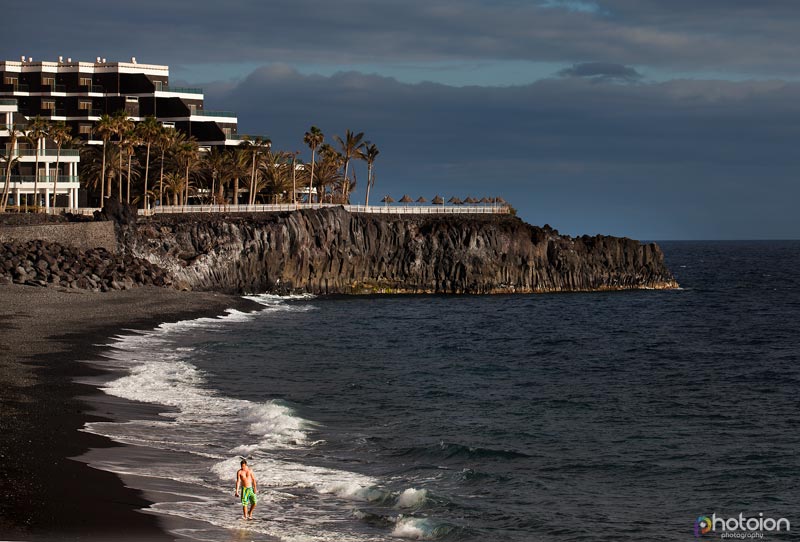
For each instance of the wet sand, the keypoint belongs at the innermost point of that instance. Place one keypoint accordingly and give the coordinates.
(44, 335)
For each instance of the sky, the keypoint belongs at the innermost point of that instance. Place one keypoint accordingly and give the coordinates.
(651, 119)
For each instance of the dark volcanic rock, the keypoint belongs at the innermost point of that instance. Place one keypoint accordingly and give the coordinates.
(42, 263)
(333, 251)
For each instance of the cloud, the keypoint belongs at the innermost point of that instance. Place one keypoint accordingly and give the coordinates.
(682, 159)
(605, 71)
(736, 36)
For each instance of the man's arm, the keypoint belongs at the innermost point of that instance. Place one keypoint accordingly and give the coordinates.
(238, 481)
(255, 483)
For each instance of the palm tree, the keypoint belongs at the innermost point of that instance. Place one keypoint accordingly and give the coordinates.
(149, 131)
(98, 165)
(164, 142)
(214, 163)
(129, 144)
(313, 138)
(330, 160)
(254, 147)
(104, 128)
(10, 160)
(349, 148)
(175, 184)
(60, 134)
(37, 131)
(122, 127)
(369, 152)
(237, 166)
(186, 155)
(329, 172)
(276, 172)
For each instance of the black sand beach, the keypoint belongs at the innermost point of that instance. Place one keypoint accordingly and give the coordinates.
(44, 335)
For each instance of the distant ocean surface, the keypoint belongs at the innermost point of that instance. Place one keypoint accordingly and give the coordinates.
(566, 417)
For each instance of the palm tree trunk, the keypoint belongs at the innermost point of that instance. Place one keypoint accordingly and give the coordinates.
(236, 190)
(103, 176)
(55, 183)
(119, 182)
(186, 186)
(36, 180)
(369, 182)
(251, 196)
(128, 198)
(311, 182)
(7, 184)
(161, 181)
(146, 173)
(213, 188)
(344, 182)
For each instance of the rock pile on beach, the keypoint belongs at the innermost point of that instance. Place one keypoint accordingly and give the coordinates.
(41, 263)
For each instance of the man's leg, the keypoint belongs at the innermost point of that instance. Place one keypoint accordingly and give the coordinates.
(244, 511)
(252, 507)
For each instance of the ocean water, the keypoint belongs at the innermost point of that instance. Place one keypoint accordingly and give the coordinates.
(566, 417)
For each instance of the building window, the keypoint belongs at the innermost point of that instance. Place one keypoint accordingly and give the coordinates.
(192, 109)
(132, 99)
(85, 129)
(49, 105)
(48, 81)
(159, 85)
(228, 132)
(8, 80)
(84, 105)
(86, 81)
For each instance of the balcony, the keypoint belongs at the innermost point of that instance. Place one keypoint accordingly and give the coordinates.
(91, 88)
(8, 101)
(14, 88)
(46, 152)
(205, 113)
(182, 90)
(89, 112)
(54, 88)
(244, 137)
(44, 178)
(54, 113)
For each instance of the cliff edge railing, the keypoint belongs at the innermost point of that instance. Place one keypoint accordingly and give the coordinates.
(466, 209)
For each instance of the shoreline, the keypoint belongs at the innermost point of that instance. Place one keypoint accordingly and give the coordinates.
(47, 334)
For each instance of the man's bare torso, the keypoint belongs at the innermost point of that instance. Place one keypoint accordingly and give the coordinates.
(245, 477)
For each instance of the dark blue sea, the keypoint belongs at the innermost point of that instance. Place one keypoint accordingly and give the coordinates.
(567, 417)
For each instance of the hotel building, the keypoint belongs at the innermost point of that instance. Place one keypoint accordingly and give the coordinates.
(78, 93)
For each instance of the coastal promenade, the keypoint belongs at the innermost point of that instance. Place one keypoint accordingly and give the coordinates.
(280, 207)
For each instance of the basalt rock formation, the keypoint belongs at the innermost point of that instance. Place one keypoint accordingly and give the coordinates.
(331, 251)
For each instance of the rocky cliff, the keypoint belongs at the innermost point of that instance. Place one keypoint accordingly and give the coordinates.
(332, 251)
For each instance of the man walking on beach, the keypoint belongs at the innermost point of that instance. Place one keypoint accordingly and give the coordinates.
(247, 481)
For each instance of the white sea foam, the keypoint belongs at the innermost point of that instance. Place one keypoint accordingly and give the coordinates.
(419, 529)
(412, 498)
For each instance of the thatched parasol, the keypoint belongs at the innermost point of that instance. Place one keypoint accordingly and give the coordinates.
(437, 200)
(500, 200)
(406, 199)
(484, 199)
(387, 199)
(452, 200)
(422, 200)
(456, 201)
(470, 199)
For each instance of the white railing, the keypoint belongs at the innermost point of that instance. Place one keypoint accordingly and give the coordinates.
(372, 209)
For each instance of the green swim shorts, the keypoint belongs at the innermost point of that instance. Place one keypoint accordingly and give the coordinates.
(248, 496)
